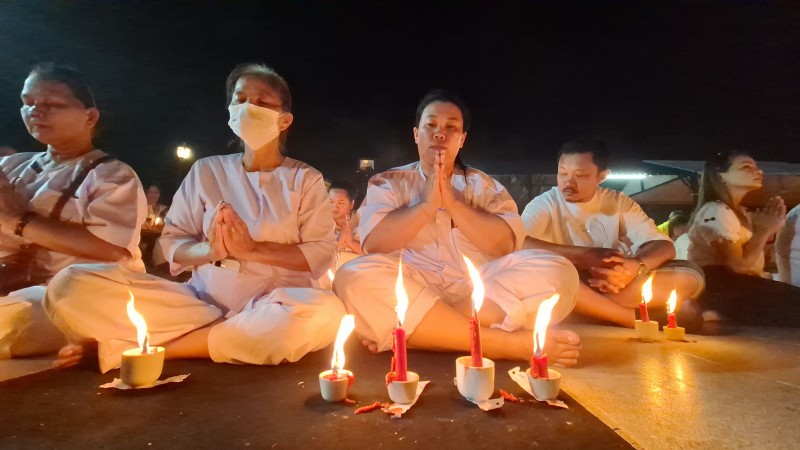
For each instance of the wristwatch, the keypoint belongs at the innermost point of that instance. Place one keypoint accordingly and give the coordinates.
(642, 268)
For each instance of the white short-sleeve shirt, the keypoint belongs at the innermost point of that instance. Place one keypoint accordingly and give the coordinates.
(110, 202)
(716, 222)
(787, 248)
(609, 220)
(437, 247)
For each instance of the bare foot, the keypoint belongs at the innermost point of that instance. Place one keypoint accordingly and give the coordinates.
(371, 345)
(562, 347)
(73, 354)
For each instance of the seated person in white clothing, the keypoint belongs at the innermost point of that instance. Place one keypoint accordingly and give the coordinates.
(728, 243)
(256, 229)
(342, 197)
(612, 242)
(70, 204)
(430, 213)
(787, 249)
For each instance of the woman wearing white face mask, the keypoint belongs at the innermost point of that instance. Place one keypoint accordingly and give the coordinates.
(256, 229)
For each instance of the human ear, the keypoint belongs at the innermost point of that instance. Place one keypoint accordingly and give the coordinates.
(462, 139)
(603, 175)
(285, 121)
(92, 116)
(416, 135)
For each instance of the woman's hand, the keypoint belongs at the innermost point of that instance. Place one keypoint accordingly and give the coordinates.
(216, 246)
(445, 186)
(432, 194)
(771, 217)
(235, 234)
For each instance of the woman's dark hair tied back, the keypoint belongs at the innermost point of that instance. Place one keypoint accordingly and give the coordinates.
(444, 96)
(74, 79)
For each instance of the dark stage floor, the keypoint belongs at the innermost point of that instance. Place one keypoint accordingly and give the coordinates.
(229, 406)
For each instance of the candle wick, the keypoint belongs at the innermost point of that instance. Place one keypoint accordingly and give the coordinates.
(145, 344)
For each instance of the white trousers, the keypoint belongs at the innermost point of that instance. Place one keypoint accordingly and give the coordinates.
(517, 283)
(25, 329)
(88, 302)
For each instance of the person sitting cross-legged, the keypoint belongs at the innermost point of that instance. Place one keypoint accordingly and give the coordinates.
(608, 237)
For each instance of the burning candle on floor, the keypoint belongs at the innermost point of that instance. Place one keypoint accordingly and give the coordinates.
(474, 323)
(140, 366)
(400, 361)
(335, 383)
(539, 360)
(400, 382)
(646, 329)
(672, 330)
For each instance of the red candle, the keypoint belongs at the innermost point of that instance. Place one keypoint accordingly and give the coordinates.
(539, 360)
(643, 312)
(539, 366)
(475, 341)
(671, 304)
(400, 360)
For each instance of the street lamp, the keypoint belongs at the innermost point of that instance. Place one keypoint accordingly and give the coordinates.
(184, 152)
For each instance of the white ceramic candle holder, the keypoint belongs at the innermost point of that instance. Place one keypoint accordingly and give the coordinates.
(675, 334)
(140, 369)
(646, 331)
(335, 390)
(404, 392)
(545, 388)
(475, 383)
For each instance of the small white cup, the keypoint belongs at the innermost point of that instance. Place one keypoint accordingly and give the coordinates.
(675, 334)
(138, 369)
(646, 331)
(404, 392)
(545, 388)
(334, 390)
(475, 383)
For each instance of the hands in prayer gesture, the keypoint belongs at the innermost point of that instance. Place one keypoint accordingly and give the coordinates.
(771, 217)
(11, 207)
(438, 192)
(229, 235)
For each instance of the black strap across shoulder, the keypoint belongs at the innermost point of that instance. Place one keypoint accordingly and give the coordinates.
(55, 214)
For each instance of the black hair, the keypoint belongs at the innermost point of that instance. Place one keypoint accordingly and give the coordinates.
(712, 188)
(272, 79)
(76, 81)
(598, 149)
(346, 186)
(444, 96)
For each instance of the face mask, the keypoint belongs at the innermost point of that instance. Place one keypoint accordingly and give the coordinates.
(256, 125)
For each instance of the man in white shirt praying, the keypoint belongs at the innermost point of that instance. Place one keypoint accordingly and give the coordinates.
(610, 240)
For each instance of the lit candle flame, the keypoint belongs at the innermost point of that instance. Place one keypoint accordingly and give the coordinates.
(647, 290)
(477, 286)
(542, 321)
(345, 328)
(140, 324)
(402, 298)
(672, 302)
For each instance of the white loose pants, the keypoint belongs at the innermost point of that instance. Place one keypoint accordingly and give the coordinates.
(25, 329)
(517, 283)
(88, 302)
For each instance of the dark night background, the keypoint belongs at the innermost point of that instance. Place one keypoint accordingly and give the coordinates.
(656, 80)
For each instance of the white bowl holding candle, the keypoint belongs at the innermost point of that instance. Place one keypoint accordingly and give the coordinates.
(475, 383)
(141, 369)
(404, 392)
(545, 388)
(675, 334)
(335, 390)
(646, 331)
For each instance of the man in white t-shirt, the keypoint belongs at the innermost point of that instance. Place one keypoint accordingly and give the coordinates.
(787, 248)
(610, 240)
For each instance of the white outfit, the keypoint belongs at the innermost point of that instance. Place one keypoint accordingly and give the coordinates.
(787, 248)
(609, 220)
(716, 223)
(110, 203)
(433, 267)
(273, 313)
